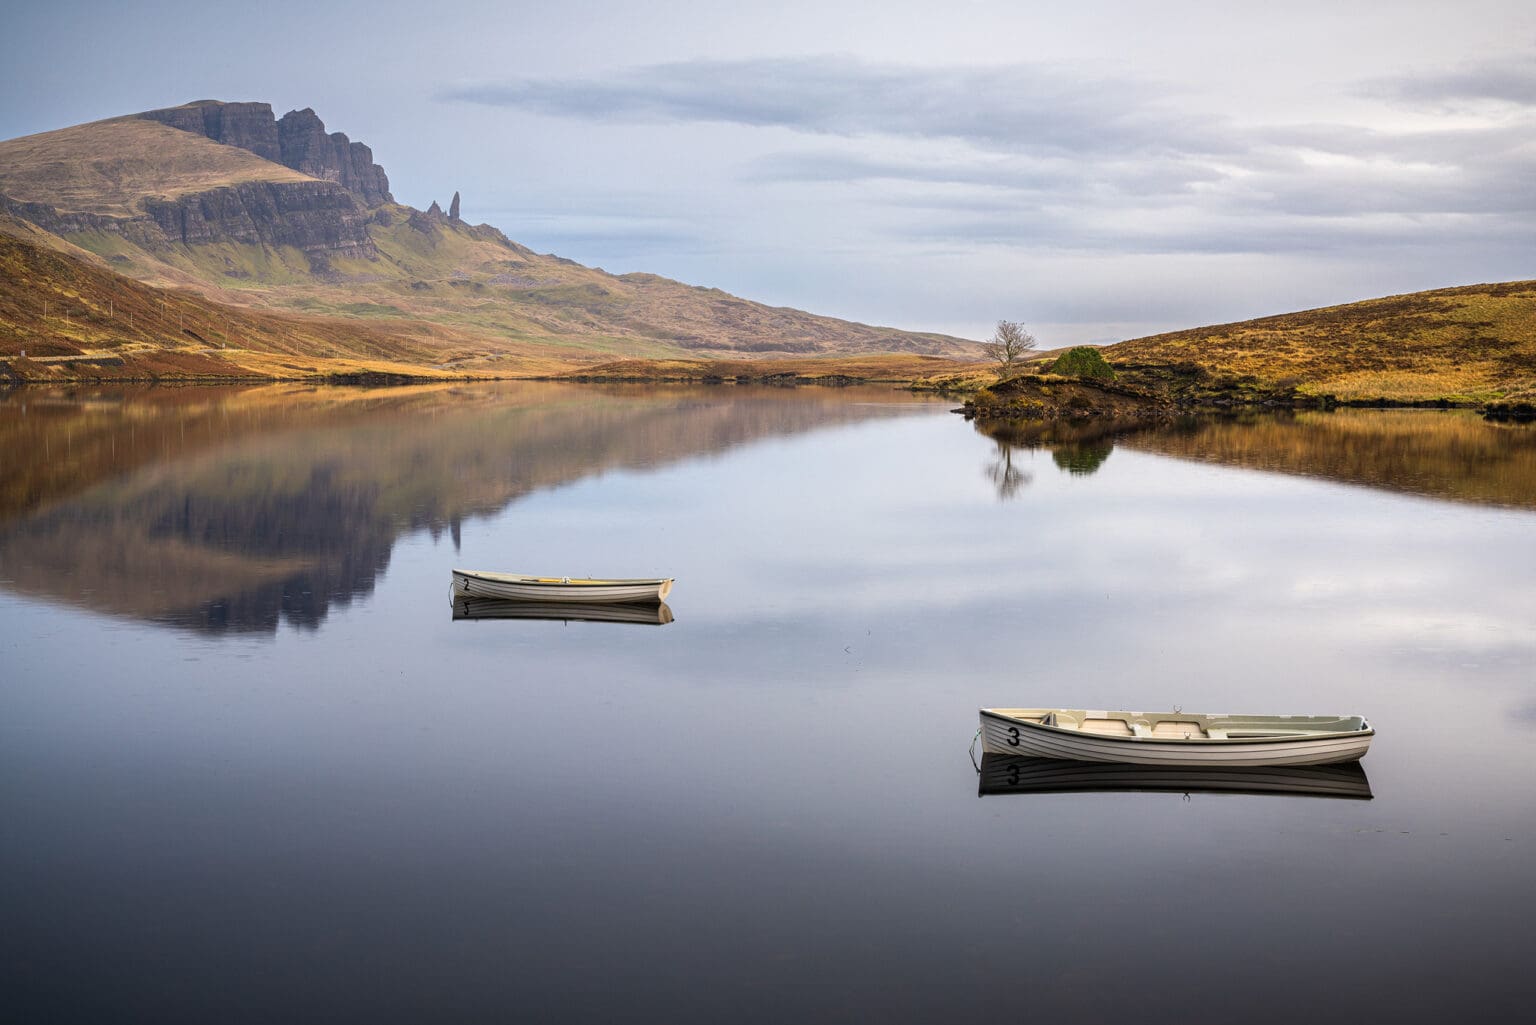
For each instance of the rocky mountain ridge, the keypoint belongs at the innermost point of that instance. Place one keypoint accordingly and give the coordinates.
(258, 211)
(298, 140)
(156, 187)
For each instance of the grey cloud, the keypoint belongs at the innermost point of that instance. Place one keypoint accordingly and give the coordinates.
(1214, 235)
(1445, 146)
(1151, 176)
(1510, 81)
(1011, 107)
(1050, 162)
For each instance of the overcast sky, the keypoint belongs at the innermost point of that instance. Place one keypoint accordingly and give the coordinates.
(1097, 169)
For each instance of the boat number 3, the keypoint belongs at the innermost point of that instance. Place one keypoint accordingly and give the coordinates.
(1013, 736)
(1013, 775)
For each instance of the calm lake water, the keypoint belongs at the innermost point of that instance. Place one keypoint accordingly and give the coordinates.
(253, 770)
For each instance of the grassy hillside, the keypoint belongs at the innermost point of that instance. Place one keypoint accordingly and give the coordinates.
(108, 167)
(1466, 344)
(75, 318)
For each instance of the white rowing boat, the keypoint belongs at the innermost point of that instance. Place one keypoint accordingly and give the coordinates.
(515, 587)
(1175, 738)
(1012, 774)
(591, 612)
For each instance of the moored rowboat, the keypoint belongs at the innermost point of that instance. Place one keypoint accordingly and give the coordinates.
(1175, 738)
(515, 587)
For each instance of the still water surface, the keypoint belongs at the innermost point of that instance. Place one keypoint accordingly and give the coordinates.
(251, 768)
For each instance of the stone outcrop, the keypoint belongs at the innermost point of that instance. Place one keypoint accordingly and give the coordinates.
(309, 150)
(429, 220)
(249, 126)
(317, 217)
(299, 141)
(321, 218)
(49, 218)
(453, 208)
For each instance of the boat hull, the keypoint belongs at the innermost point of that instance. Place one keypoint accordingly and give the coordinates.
(1011, 735)
(509, 587)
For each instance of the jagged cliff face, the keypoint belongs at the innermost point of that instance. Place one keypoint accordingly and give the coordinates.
(249, 126)
(298, 141)
(317, 217)
(308, 149)
(320, 218)
(202, 173)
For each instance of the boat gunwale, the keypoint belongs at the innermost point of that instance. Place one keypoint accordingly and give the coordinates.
(513, 578)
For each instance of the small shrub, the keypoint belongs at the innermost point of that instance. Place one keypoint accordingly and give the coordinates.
(1083, 361)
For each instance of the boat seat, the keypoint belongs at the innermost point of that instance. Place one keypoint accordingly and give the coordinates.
(1107, 727)
(1177, 730)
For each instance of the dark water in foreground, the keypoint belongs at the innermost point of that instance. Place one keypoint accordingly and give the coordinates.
(251, 769)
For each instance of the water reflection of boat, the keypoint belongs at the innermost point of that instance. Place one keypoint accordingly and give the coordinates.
(1175, 738)
(1011, 774)
(516, 587)
(592, 612)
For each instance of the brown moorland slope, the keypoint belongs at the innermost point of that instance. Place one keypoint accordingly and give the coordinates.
(67, 317)
(1466, 344)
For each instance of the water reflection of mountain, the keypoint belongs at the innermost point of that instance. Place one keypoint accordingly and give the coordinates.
(236, 509)
(1452, 455)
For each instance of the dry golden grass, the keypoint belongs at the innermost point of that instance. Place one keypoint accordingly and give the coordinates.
(1471, 343)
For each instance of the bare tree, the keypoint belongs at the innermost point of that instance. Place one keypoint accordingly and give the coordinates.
(1009, 344)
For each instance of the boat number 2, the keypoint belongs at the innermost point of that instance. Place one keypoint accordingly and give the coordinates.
(1013, 736)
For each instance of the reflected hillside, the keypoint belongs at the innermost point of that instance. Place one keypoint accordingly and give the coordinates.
(1452, 455)
(237, 509)
(1437, 454)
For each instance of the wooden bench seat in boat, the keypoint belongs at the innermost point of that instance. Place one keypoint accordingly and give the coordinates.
(1177, 729)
